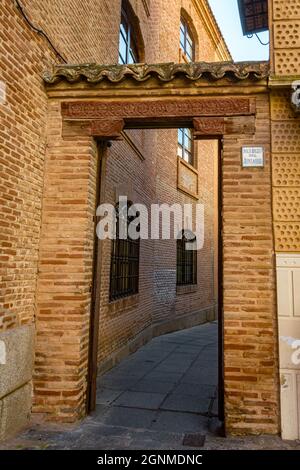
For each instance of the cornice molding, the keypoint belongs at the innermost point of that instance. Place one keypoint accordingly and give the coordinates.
(93, 73)
(206, 14)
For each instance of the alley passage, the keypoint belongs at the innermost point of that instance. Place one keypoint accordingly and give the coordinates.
(168, 385)
(149, 401)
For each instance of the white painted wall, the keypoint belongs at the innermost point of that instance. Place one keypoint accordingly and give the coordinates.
(288, 298)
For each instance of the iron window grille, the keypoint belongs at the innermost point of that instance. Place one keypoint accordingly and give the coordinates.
(128, 51)
(186, 145)
(124, 272)
(186, 261)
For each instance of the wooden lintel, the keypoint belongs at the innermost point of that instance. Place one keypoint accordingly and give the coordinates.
(105, 129)
(205, 128)
(209, 126)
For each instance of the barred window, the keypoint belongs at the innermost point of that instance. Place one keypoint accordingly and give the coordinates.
(186, 260)
(128, 50)
(124, 272)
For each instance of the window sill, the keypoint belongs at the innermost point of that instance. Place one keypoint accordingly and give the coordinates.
(188, 289)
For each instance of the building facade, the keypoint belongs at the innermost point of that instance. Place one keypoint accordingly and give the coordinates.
(49, 184)
(284, 19)
(144, 166)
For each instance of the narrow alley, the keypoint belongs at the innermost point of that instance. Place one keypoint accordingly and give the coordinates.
(162, 397)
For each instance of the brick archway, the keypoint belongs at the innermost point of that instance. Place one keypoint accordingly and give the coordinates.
(224, 101)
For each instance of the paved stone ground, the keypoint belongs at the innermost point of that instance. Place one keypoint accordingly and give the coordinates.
(150, 401)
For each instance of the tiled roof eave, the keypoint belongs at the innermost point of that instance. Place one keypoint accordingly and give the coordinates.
(93, 73)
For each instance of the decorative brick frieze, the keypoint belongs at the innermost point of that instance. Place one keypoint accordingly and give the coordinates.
(157, 109)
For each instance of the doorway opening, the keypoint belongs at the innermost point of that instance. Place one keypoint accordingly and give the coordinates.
(156, 353)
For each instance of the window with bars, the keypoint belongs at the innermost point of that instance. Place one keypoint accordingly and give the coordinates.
(128, 50)
(187, 43)
(124, 272)
(186, 261)
(186, 145)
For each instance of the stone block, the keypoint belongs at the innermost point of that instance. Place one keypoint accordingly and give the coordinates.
(19, 354)
(15, 411)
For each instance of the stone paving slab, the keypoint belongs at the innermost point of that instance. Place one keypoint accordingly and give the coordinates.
(196, 391)
(162, 376)
(186, 403)
(152, 387)
(107, 396)
(167, 420)
(144, 400)
(128, 417)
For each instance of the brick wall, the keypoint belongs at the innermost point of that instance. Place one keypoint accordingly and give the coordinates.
(285, 37)
(127, 175)
(65, 274)
(251, 364)
(23, 120)
(23, 126)
(59, 300)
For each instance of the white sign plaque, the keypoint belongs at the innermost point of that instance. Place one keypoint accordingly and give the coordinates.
(252, 157)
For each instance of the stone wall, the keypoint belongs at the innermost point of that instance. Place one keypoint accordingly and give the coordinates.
(285, 37)
(285, 129)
